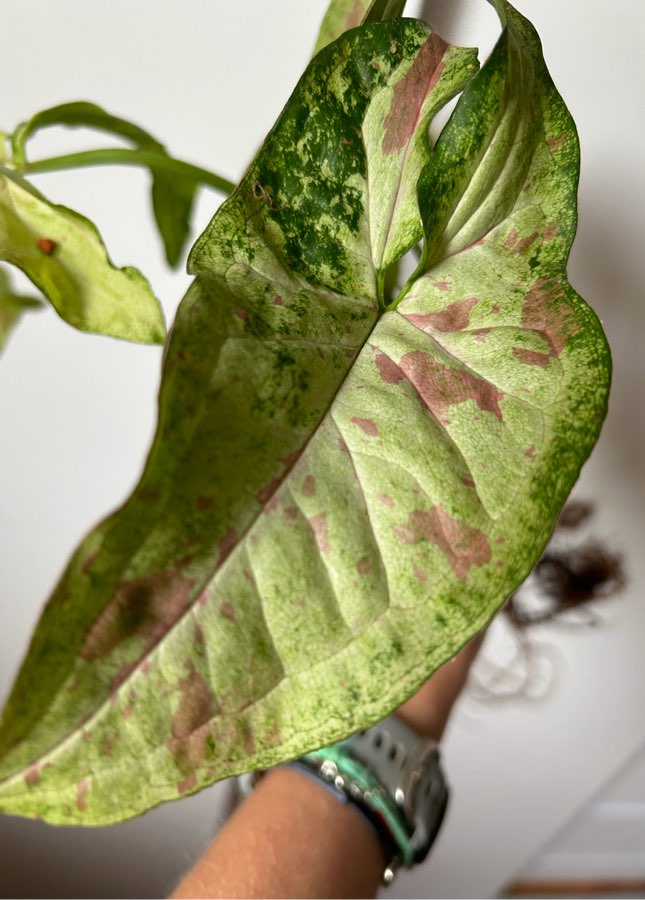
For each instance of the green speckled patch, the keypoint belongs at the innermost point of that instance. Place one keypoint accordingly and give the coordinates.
(341, 491)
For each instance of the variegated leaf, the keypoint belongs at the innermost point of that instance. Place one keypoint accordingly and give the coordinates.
(338, 496)
(342, 15)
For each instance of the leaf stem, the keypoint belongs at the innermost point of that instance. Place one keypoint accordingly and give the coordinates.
(124, 157)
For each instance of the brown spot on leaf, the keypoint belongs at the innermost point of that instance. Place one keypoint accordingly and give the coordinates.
(468, 482)
(265, 494)
(367, 425)
(291, 512)
(319, 527)
(442, 285)
(342, 446)
(91, 558)
(530, 452)
(385, 498)
(463, 545)
(410, 94)
(364, 566)
(204, 503)
(46, 245)
(227, 610)
(454, 317)
(145, 607)
(277, 300)
(82, 789)
(242, 314)
(300, 602)
(187, 783)
(309, 486)
(554, 143)
(32, 776)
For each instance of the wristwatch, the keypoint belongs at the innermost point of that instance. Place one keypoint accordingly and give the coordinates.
(395, 778)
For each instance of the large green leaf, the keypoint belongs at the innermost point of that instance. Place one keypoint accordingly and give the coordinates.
(62, 253)
(339, 495)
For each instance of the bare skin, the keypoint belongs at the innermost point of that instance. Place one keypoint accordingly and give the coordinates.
(292, 838)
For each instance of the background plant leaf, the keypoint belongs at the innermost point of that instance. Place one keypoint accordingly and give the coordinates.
(12, 306)
(62, 253)
(172, 195)
(412, 458)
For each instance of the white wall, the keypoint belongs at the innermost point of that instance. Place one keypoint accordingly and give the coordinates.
(77, 411)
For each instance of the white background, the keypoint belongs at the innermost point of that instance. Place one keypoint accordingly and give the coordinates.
(77, 412)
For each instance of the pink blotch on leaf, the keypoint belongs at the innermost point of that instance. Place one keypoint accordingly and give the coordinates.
(463, 545)
(32, 776)
(531, 357)
(390, 372)
(82, 789)
(265, 494)
(187, 784)
(454, 317)
(227, 544)
(546, 311)
(89, 561)
(367, 425)
(195, 710)
(411, 92)
(146, 607)
(342, 446)
(530, 452)
(309, 486)
(442, 285)
(364, 566)
(385, 498)
(355, 15)
(319, 527)
(439, 386)
(227, 610)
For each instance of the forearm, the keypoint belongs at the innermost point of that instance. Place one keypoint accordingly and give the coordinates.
(290, 838)
(293, 838)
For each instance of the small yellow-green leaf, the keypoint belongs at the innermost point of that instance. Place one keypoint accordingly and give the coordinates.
(62, 253)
